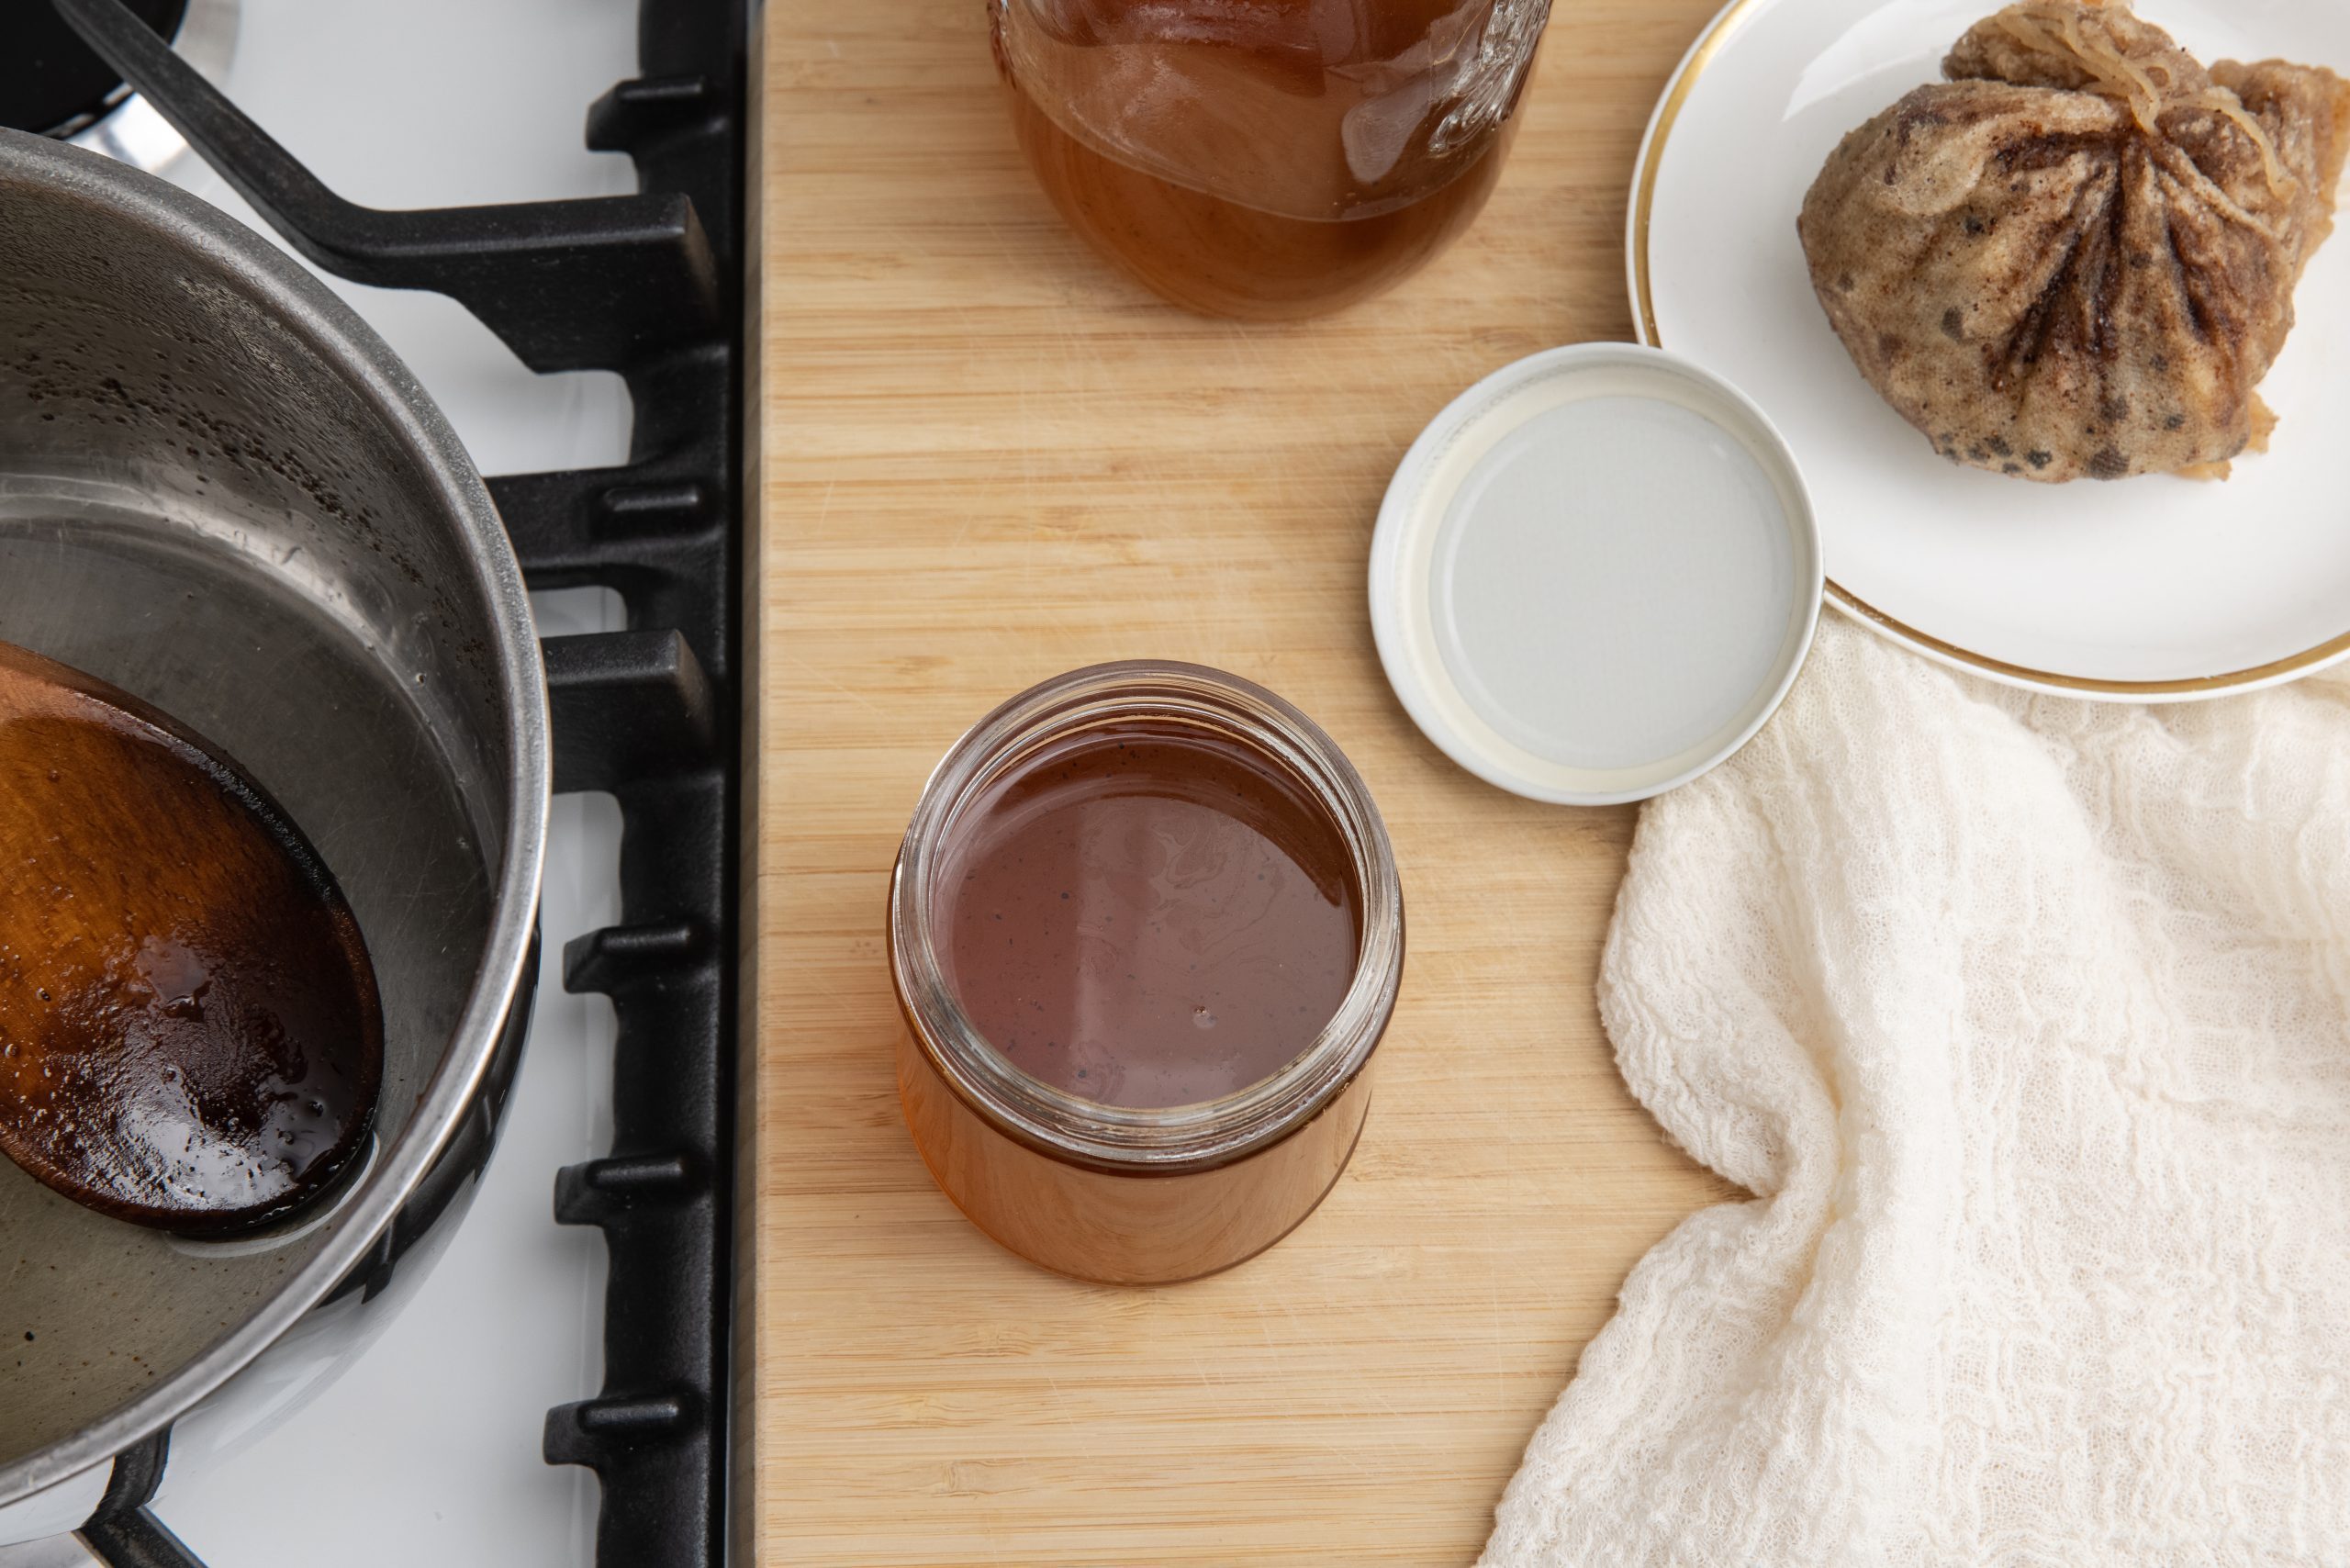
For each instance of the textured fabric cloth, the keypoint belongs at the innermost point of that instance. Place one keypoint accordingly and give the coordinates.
(2028, 1022)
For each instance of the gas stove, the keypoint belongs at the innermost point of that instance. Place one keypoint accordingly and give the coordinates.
(555, 1393)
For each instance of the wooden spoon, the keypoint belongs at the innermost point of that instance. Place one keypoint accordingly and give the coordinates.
(190, 1035)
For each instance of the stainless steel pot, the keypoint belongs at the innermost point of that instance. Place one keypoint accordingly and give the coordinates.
(220, 491)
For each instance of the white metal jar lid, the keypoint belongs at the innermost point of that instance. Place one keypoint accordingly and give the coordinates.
(1595, 575)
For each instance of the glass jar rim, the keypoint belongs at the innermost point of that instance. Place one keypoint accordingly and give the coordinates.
(1134, 1140)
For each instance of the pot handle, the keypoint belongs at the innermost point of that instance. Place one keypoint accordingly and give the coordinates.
(124, 1533)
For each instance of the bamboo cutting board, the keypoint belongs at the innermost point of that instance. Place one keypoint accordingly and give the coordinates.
(986, 459)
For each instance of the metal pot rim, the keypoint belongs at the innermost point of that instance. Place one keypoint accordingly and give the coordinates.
(313, 312)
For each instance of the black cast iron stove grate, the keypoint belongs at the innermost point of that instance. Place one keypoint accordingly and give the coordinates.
(648, 285)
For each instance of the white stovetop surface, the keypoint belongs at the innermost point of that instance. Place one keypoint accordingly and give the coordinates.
(427, 1452)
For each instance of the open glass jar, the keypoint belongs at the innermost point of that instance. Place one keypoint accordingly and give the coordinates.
(1147, 932)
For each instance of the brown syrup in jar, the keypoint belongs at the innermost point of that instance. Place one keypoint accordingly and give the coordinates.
(1249, 161)
(1148, 918)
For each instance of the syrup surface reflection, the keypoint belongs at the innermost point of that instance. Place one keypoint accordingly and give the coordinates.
(190, 1035)
(1148, 918)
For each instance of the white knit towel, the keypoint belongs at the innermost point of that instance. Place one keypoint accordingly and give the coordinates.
(2028, 1022)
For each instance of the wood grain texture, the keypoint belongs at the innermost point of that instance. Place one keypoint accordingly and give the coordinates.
(987, 459)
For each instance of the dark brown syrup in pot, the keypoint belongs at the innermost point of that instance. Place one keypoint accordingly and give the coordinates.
(190, 1034)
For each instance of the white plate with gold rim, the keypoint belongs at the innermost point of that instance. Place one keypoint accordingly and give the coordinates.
(2151, 589)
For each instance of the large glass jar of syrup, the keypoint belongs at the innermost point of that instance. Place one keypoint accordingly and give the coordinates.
(1274, 159)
